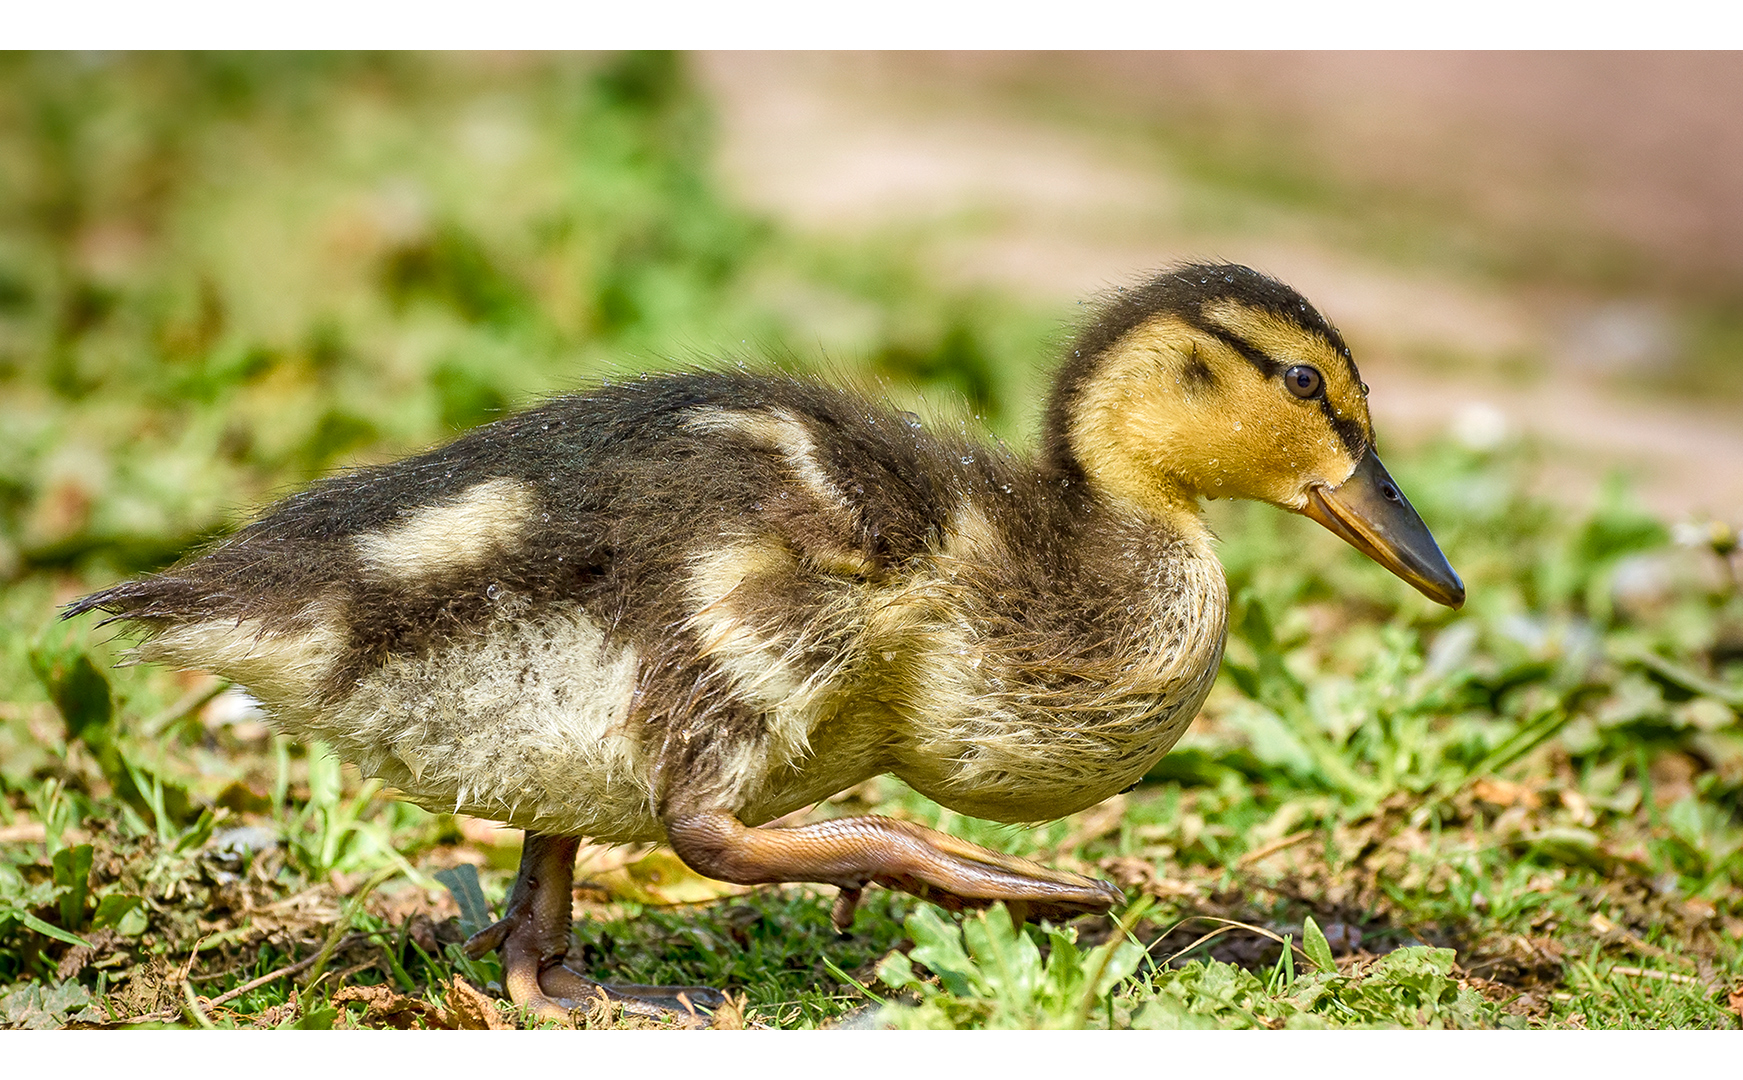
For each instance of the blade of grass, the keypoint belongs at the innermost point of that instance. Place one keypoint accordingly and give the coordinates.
(352, 907)
(1080, 1018)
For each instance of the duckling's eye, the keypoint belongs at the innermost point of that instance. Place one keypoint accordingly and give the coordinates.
(1303, 381)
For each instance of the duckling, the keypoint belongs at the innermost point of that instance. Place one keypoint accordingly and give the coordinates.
(679, 608)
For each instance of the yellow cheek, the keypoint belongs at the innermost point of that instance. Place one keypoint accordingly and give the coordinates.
(1275, 460)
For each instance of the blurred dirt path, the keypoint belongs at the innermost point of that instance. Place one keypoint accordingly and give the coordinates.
(842, 145)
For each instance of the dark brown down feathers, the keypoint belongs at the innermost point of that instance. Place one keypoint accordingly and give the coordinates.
(731, 589)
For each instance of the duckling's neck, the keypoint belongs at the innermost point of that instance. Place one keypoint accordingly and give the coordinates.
(1157, 502)
(1101, 450)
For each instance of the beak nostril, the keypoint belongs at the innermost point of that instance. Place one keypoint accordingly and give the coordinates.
(1389, 492)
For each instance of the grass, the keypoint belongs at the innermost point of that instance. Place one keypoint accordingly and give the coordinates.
(222, 276)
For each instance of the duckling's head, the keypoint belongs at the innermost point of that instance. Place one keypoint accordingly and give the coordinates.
(1215, 381)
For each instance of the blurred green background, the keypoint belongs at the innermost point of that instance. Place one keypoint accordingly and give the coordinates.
(224, 275)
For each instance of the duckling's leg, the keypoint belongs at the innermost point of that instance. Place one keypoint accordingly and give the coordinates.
(533, 939)
(852, 852)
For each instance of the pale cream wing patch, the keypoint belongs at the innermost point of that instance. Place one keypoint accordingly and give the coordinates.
(487, 518)
(782, 432)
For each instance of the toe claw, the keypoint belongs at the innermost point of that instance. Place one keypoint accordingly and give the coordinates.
(487, 940)
(562, 981)
(846, 901)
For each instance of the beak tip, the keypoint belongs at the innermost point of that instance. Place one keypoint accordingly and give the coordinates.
(1442, 585)
(1368, 512)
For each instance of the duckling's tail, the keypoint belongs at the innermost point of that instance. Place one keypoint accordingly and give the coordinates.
(150, 601)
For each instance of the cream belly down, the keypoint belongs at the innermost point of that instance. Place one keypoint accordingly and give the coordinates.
(526, 723)
(529, 723)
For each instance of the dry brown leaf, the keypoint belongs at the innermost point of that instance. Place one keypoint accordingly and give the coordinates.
(1699, 910)
(25, 832)
(1576, 804)
(99, 945)
(384, 1005)
(1505, 793)
(469, 1010)
(729, 1015)
(600, 1013)
(1129, 872)
(660, 879)
(1735, 1000)
(149, 988)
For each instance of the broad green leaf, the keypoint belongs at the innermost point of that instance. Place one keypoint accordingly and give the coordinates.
(1317, 948)
(1008, 961)
(78, 689)
(462, 881)
(896, 971)
(316, 1018)
(72, 874)
(1127, 955)
(35, 1007)
(113, 908)
(938, 945)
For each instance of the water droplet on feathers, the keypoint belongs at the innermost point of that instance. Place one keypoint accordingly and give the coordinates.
(968, 459)
(888, 656)
(1237, 425)
(493, 592)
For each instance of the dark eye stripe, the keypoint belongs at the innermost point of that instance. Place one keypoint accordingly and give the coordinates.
(1252, 355)
(1348, 431)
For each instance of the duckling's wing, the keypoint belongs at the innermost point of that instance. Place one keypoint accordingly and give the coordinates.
(676, 562)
